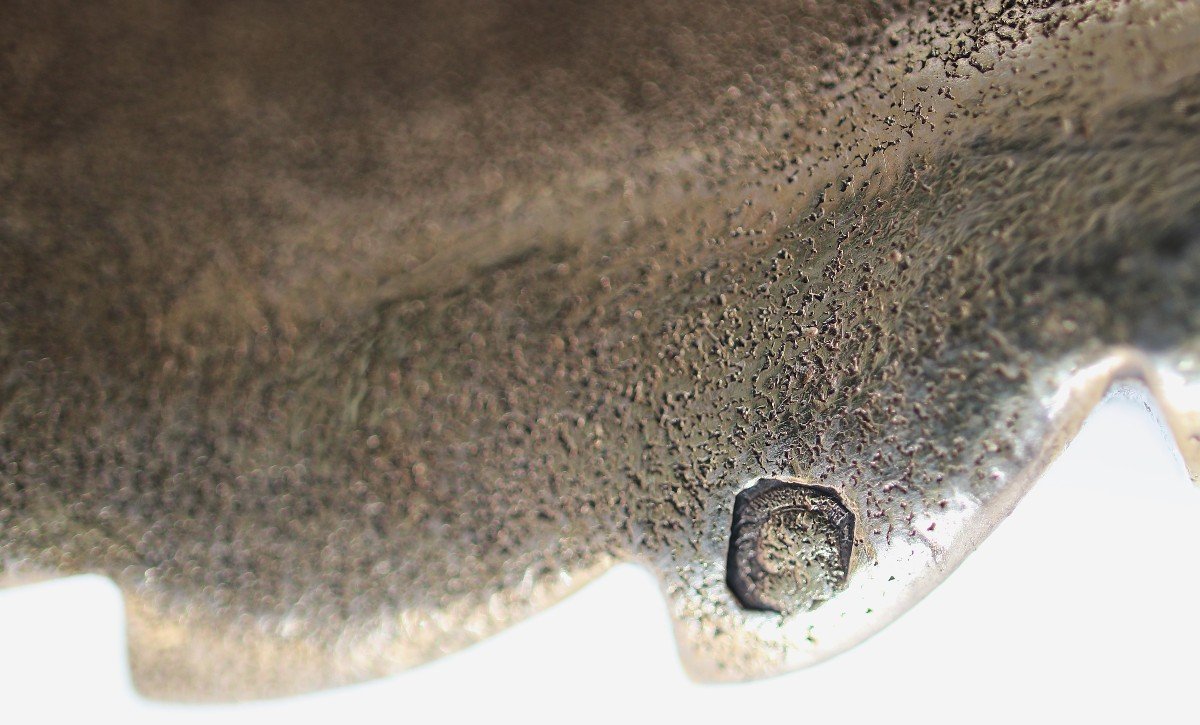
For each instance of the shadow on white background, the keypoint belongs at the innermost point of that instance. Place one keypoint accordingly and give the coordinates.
(1080, 606)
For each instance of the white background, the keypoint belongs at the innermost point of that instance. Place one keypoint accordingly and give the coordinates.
(1081, 607)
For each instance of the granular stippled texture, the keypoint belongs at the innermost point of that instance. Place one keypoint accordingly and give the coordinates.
(345, 334)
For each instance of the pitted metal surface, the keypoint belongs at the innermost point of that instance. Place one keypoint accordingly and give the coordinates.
(344, 335)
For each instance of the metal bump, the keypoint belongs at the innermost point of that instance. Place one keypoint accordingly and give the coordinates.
(790, 546)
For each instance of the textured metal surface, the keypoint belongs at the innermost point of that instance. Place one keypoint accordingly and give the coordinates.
(342, 335)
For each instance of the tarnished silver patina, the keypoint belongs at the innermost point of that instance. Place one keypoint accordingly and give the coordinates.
(343, 334)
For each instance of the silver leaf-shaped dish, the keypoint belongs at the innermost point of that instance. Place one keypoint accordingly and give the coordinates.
(341, 335)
